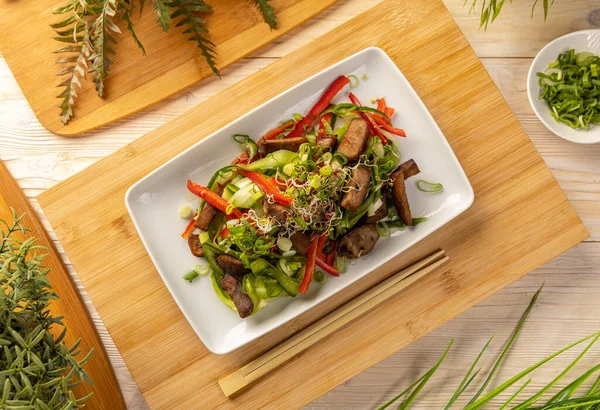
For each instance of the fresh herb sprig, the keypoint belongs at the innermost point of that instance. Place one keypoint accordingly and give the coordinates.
(566, 398)
(88, 28)
(490, 9)
(38, 371)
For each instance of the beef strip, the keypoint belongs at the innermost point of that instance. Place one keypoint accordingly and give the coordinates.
(277, 211)
(400, 199)
(232, 266)
(380, 213)
(233, 287)
(353, 143)
(195, 245)
(408, 168)
(300, 242)
(207, 213)
(290, 144)
(328, 142)
(358, 242)
(359, 186)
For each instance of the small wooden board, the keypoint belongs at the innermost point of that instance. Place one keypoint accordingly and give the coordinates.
(136, 81)
(520, 220)
(107, 395)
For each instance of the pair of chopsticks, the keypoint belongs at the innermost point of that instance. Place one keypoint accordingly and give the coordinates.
(330, 323)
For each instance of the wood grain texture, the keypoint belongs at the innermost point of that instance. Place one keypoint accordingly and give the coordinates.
(107, 395)
(136, 81)
(514, 218)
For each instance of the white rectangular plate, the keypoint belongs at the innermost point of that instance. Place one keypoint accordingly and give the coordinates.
(153, 202)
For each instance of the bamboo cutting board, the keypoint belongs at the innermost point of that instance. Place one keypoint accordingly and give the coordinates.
(107, 395)
(136, 81)
(520, 220)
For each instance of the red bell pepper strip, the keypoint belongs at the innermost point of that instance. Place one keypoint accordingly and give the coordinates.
(214, 199)
(320, 246)
(383, 124)
(190, 227)
(320, 106)
(267, 188)
(242, 159)
(327, 267)
(331, 255)
(381, 106)
(277, 131)
(224, 233)
(370, 122)
(310, 265)
(278, 183)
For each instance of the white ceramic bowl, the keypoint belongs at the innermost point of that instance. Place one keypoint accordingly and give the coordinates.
(153, 202)
(586, 40)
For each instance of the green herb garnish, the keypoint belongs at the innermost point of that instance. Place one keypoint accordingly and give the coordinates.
(571, 87)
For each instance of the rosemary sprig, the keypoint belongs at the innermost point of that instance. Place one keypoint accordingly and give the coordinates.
(268, 12)
(562, 400)
(38, 370)
(187, 11)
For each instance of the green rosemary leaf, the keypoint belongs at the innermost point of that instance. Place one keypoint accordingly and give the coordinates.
(268, 12)
(162, 14)
(508, 345)
(187, 13)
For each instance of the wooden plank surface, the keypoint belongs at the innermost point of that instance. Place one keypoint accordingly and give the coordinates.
(569, 307)
(136, 81)
(513, 218)
(107, 395)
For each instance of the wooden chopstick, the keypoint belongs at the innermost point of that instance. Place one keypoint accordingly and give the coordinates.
(330, 323)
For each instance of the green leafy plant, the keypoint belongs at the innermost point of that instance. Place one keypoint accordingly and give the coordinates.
(569, 397)
(37, 370)
(88, 27)
(490, 9)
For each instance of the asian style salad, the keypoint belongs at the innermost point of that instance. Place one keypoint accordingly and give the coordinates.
(295, 205)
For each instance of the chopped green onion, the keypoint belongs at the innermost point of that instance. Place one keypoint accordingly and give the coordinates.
(327, 157)
(232, 187)
(191, 275)
(320, 277)
(203, 236)
(203, 270)
(285, 244)
(289, 253)
(430, 187)
(297, 117)
(185, 212)
(382, 229)
(341, 158)
(312, 139)
(326, 170)
(301, 222)
(364, 77)
(417, 221)
(353, 81)
(340, 263)
(250, 148)
(240, 138)
(289, 170)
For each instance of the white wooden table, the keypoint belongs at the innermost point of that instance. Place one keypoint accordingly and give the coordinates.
(569, 307)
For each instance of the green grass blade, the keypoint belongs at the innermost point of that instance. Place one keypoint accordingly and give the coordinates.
(465, 381)
(514, 396)
(508, 345)
(395, 399)
(405, 404)
(539, 394)
(572, 403)
(492, 394)
(569, 389)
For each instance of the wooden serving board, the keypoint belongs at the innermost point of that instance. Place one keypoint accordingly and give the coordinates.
(136, 81)
(107, 395)
(520, 220)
